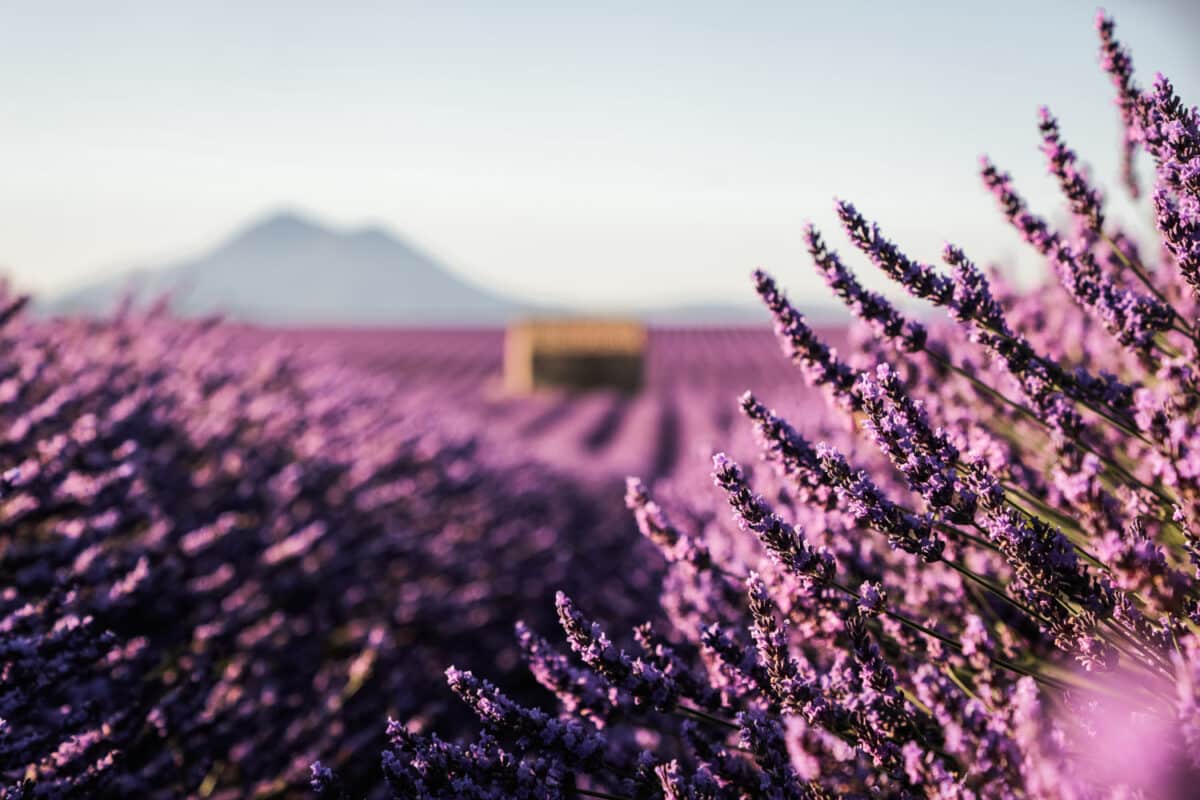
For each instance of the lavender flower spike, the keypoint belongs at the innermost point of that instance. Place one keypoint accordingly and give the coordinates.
(1172, 136)
(870, 506)
(1133, 319)
(793, 691)
(762, 736)
(870, 307)
(576, 741)
(652, 521)
(785, 543)
(577, 689)
(324, 782)
(922, 280)
(1179, 223)
(821, 364)
(791, 452)
(1085, 199)
(1033, 229)
(925, 457)
(1115, 60)
(642, 680)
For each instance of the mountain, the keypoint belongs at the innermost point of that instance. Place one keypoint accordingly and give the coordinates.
(288, 269)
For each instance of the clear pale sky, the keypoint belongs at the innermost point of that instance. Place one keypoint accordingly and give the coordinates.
(596, 154)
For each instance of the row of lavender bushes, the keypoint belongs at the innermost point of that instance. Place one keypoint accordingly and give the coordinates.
(221, 561)
(987, 589)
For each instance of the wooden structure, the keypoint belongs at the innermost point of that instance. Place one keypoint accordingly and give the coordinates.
(574, 354)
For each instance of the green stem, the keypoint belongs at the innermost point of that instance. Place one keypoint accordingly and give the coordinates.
(596, 793)
(1138, 270)
(1030, 415)
(709, 718)
(954, 644)
(996, 591)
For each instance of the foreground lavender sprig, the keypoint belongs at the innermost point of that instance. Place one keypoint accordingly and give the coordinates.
(1180, 226)
(575, 742)
(1085, 200)
(871, 307)
(926, 457)
(785, 543)
(803, 346)
(783, 445)
(1133, 318)
(641, 679)
(1043, 641)
(652, 521)
(1115, 60)
(870, 506)
(921, 279)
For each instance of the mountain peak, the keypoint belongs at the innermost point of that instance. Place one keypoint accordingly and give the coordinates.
(280, 226)
(375, 233)
(288, 267)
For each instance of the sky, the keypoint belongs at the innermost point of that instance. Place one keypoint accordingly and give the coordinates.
(599, 155)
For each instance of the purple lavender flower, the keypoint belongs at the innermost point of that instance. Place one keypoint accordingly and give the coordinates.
(645, 682)
(921, 279)
(1085, 199)
(1132, 318)
(925, 456)
(676, 785)
(785, 543)
(1115, 60)
(325, 784)
(870, 307)
(783, 445)
(432, 769)
(763, 737)
(1172, 135)
(886, 724)
(578, 690)
(870, 506)
(572, 743)
(821, 364)
(652, 521)
(1179, 223)
(792, 691)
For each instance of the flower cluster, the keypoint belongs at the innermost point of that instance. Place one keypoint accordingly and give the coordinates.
(984, 583)
(221, 554)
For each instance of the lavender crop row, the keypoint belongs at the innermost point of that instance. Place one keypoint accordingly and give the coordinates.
(223, 560)
(667, 430)
(988, 588)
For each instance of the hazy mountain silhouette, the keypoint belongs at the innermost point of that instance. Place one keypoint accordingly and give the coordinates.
(287, 268)
(290, 269)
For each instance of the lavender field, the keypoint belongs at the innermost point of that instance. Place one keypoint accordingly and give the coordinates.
(946, 553)
(686, 410)
(231, 549)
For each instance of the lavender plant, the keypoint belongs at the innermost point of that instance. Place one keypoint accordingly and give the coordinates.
(221, 558)
(987, 588)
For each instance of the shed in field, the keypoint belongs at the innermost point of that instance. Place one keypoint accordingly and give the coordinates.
(574, 354)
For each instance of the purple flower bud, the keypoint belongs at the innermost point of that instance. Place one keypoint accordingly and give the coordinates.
(820, 363)
(1084, 198)
(785, 543)
(870, 307)
(922, 280)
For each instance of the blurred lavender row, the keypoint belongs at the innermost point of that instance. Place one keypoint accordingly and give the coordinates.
(686, 408)
(227, 554)
(228, 550)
